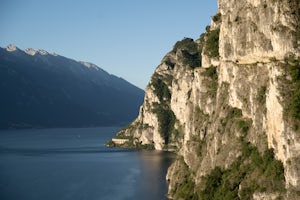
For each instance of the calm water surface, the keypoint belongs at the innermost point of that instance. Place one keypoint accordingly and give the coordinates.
(73, 164)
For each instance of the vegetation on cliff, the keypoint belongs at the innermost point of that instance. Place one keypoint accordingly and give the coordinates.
(212, 43)
(212, 80)
(166, 121)
(184, 188)
(217, 18)
(191, 52)
(165, 116)
(291, 83)
(252, 171)
(249, 173)
(161, 89)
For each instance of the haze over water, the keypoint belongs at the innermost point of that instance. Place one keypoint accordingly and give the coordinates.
(73, 164)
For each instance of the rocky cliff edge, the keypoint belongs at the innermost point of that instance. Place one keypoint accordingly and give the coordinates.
(229, 105)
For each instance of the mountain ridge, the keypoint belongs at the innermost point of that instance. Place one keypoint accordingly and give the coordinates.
(38, 80)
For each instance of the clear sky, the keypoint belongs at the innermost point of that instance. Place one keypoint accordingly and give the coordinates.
(127, 38)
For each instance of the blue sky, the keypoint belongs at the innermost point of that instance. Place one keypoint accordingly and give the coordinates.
(127, 38)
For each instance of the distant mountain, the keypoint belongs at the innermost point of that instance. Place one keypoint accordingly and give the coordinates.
(41, 89)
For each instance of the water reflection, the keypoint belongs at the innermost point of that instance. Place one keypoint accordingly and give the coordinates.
(154, 165)
(57, 164)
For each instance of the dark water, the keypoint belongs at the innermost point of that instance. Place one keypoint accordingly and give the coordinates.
(73, 164)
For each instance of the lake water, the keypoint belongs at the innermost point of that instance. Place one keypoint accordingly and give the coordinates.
(73, 164)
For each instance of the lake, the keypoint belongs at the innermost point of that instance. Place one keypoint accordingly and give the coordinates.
(74, 164)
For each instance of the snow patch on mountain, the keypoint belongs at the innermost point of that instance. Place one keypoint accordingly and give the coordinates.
(89, 65)
(42, 52)
(11, 48)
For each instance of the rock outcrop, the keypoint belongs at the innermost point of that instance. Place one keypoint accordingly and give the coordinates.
(229, 105)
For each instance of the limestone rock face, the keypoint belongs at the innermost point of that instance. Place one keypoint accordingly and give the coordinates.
(256, 31)
(222, 106)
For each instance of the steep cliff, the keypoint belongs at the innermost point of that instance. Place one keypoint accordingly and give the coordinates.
(229, 105)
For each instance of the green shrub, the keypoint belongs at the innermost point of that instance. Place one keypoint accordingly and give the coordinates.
(207, 28)
(192, 60)
(212, 85)
(217, 18)
(212, 183)
(191, 52)
(160, 88)
(170, 64)
(243, 127)
(294, 72)
(234, 113)
(211, 72)
(247, 150)
(293, 67)
(273, 168)
(186, 189)
(212, 43)
(166, 122)
(255, 172)
(291, 90)
(247, 192)
(200, 145)
(261, 94)
(295, 105)
(187, 44)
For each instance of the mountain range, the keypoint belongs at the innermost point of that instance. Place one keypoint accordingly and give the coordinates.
(41, 89)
